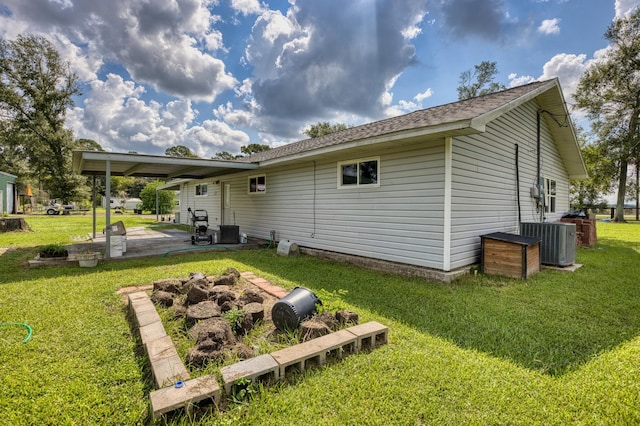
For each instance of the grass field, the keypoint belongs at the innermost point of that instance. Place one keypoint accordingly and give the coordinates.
(558, 348)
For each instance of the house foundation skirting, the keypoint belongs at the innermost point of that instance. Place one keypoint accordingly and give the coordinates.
(387, 266)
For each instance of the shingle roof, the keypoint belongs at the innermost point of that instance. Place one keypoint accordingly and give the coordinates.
(460, 111)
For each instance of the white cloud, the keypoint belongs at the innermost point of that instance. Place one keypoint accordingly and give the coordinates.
(413, 30)
(515, 80)
(306, 62)
(247, 7)
(115, 116)
(214, 136)
(549, 26)
(164, 43)
(624, 8)
(569, 68)
(85, 63)
(237, 117)
(424, 95)
(404, 106)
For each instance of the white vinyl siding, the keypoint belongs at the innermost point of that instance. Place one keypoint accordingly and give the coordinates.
(210, 203)
(484, 180)
(401, 220)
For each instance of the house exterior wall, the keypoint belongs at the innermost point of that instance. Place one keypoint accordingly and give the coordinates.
(209, 202)
(484, 190)
(401, 220)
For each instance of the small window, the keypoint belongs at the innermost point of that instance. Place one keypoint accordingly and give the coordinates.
(201, 190)
(359, 173)
(550, 195)
(257, 184)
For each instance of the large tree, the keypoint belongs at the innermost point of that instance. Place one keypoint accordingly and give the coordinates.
(225, 155)
(609, 91)
(252, 148)
(479, 81)
(88, 145)
(587, 193)
(166, 199)
(36, 88)
(323, 128)
(180, 151)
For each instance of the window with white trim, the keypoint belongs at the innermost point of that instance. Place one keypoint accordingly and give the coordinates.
(202, 190)
(550, 195)
(257, 184)
(357, 173)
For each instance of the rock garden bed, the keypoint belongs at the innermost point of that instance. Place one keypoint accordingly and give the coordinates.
(219, 320)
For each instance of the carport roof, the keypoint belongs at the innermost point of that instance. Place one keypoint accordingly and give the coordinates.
(92, 163)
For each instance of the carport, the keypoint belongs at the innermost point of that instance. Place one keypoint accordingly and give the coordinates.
(107, 164)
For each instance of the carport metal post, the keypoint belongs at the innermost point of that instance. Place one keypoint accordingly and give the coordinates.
(156, 204)
(94, 207)
(107, 252)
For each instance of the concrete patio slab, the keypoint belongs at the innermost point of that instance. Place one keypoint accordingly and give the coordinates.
(155, 242)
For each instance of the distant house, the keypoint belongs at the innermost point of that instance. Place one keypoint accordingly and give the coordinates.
(417, 189)
(8, 193)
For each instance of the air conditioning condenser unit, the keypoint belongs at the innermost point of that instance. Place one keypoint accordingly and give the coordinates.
(558, 241)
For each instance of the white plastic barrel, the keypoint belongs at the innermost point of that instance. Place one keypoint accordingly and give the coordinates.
(116, 246)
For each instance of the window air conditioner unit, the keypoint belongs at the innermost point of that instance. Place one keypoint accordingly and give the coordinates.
(558, 241)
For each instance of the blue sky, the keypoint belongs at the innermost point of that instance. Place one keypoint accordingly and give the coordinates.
(218, 74)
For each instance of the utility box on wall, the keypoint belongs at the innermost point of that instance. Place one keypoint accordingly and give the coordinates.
(558, 246)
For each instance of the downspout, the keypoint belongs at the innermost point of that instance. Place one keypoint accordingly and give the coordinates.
(539, 182)
(313, 234)
(538, 177)
(518, 186)
(94, 206)
(448, 172)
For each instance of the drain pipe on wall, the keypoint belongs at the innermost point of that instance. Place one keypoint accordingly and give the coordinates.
(538, 177)
(518, 185)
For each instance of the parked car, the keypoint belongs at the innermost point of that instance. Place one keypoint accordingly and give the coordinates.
(55, 208)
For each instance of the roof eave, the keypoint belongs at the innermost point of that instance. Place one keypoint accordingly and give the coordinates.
(489, 116)
(176, 167)
(173, 184)
(570, 152)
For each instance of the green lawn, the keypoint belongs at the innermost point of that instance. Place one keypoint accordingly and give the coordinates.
(558, 348)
